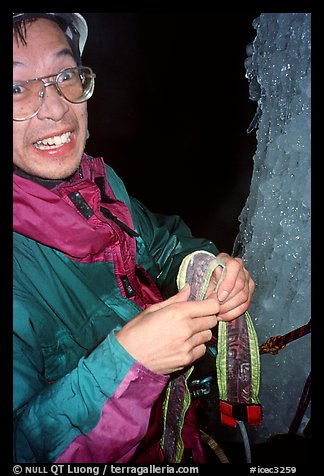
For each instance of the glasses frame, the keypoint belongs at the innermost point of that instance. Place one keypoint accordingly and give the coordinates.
(55, 83)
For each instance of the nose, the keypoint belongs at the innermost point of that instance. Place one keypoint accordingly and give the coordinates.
(54, 105)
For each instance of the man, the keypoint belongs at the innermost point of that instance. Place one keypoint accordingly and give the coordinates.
(99, 327)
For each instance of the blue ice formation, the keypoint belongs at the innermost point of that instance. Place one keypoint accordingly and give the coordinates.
(274, 236)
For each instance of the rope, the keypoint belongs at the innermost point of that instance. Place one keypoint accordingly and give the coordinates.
(276, 343)
(246, 442)
(302, 406)
(214, 446)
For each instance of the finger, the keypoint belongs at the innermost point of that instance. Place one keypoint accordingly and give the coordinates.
(191, 356)
(237, 298)
(200, 338)
(202, 324)
(197, 352)
(251, 283)
(181, 296)
(197, 309)
(189, 352)
(233, 267)
(244, 287)
(233, 313)
(234, 279)
(219, 273)
(239, 303)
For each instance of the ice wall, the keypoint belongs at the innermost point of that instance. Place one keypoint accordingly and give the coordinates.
(274, 236)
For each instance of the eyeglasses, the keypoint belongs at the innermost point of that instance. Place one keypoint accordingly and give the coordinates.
(76, 85)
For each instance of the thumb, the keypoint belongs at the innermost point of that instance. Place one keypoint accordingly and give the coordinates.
(181, 296)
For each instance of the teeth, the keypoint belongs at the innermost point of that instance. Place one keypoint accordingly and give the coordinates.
(53, 142)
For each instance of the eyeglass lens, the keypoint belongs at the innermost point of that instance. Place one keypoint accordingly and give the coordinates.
(74, 84)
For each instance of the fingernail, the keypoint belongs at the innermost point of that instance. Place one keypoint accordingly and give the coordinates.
(222, 296)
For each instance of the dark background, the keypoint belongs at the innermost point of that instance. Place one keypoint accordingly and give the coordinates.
(170, 112)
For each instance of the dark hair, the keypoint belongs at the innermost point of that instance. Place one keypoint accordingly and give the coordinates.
(19, 31)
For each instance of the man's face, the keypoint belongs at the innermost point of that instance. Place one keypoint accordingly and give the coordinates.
(47, 52)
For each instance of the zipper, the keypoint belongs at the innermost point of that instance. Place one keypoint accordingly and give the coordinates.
(129, 285)
(107, 213)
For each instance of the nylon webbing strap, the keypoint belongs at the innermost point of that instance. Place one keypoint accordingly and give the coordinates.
(176, 404)
(237, 360)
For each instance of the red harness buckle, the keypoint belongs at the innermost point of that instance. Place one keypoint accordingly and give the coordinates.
(233, 412)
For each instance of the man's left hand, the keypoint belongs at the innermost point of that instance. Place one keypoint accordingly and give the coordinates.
(235, 291)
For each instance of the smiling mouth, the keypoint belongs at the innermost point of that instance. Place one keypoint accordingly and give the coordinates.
(53, 142)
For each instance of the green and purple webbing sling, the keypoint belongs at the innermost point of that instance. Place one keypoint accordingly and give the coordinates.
(237, 364)
(238, 359)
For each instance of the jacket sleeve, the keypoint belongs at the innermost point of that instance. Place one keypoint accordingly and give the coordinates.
(96, 413)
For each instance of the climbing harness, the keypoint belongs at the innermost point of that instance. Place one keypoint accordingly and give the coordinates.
(237, 360)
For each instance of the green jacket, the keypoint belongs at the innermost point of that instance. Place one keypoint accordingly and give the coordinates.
(87, 259)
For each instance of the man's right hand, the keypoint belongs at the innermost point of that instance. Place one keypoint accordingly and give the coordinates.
(170, 335)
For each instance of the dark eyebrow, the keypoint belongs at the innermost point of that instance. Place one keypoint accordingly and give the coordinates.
(65, 52)
(62, 52)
